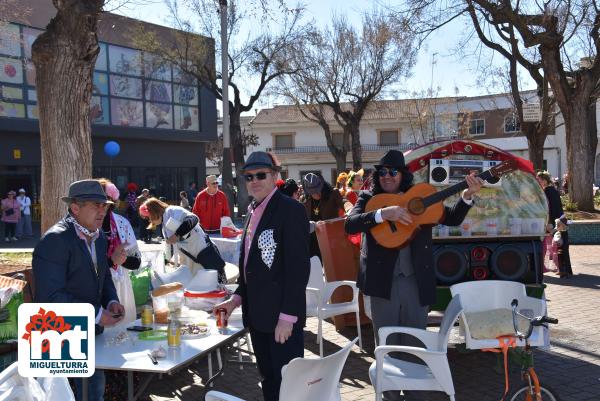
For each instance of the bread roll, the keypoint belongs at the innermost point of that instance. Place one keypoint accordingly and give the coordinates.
(167, 289)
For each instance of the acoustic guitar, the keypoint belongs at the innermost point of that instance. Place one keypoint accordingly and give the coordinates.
(424, 203)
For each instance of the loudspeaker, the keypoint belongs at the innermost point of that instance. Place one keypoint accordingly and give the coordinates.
(439, 172)
(509, 262)
(450, 264)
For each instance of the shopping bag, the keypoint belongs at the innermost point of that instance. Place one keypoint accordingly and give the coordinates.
(140, 282)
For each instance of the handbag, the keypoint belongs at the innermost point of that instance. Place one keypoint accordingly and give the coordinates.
(9, 212)
(209, 258)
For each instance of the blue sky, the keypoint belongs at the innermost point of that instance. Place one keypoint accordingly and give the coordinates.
(449, 74)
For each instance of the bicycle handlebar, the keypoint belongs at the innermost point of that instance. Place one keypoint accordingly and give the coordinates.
(533, 321)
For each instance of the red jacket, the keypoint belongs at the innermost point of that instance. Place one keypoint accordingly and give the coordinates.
(210, 209)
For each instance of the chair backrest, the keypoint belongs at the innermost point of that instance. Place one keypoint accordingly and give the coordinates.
(451, 313)
(316, 279)
(314, 379)
(478, 296)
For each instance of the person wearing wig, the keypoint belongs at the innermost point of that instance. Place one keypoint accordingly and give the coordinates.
(123, 252)
(340, 183)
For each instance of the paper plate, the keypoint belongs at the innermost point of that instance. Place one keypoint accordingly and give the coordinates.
(204, 331)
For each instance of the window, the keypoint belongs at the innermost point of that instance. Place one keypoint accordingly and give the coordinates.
(337, 138)
(477, 127)
(283, 141)
(512, 124)
(388, 138)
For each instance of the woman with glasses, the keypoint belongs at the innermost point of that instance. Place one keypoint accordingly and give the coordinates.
(399, 283)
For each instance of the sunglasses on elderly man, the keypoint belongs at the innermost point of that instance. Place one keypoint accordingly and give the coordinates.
(382, 172)
(259, 176)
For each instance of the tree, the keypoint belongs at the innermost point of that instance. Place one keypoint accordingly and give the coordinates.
(558, 32)
(64, 56)
(254, 57)
(345, 69)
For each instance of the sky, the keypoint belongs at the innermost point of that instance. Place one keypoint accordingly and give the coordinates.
(437, 67)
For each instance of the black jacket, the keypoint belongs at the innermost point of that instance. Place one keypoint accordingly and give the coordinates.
(377, 263)
(281, 288)
(64, 272)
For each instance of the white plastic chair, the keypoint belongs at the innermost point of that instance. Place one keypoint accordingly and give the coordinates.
(318, 294)
(488, 295)
(388, 373)
(305, 379)
(14, 387)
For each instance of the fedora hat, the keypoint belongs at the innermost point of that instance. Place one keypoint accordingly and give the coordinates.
(260, 159)
(393, 158)
(313, 184)
(86, 190)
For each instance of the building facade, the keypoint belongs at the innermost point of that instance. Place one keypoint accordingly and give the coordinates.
(160, 117)
(301, 147)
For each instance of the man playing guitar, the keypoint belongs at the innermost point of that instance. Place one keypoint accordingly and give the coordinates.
(399, 282)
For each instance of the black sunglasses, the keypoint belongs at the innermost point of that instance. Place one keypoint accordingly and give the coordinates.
(259, 176)
(382, 172)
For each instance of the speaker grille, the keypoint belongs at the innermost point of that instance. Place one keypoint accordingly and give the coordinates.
(450, 265)
(439, 174)
(509, 263)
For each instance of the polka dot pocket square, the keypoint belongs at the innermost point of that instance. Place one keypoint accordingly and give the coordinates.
(267, 246)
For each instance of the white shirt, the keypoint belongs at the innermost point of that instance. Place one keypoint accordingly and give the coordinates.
(25, 204)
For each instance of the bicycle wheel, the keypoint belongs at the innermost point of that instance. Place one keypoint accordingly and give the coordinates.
(521, 394)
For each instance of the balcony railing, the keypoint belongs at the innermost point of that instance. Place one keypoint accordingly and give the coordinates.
(325, 149)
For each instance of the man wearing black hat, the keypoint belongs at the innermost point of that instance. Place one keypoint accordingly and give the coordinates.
(400, 283)
(70, 265)
(274, 269)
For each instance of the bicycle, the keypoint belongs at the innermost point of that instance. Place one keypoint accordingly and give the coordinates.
(532, 390)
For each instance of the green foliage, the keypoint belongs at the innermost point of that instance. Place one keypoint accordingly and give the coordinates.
(567, 204)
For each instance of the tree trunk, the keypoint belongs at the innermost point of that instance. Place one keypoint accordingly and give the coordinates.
(582, 140)
(356, 147)
(340, 161)
(536, 136)
(238, 160)
(64, 57)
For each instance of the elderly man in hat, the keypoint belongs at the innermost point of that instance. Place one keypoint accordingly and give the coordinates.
(400, 283)
(274, 269)
(70, 264)
(210, 205)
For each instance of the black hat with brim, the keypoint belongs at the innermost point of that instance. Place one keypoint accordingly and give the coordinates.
(259, 159)
(86, 190)
(393, 158)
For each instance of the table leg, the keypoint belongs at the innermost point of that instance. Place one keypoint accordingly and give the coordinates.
(130, 396)
(84, 388)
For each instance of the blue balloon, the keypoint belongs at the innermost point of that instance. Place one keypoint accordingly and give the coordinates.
(112, 148)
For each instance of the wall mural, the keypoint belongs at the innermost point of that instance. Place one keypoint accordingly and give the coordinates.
(16, 110)
(129, 113)
(11, 70)
(186, 118)
(99, 110)
(9, 40)
(123, 86)
(124, 61)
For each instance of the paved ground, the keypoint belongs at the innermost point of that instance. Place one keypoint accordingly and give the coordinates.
(571, 365)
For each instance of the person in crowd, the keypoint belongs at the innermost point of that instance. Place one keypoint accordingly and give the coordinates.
(367, 179)
(183, 201)
(123, 253)
(192, 192)
(355, 183)
(145, 234)
(11, 214)
(399, 283)
(341, 183)
(274, 269)
(24, 223)
(290, 188)
(555, 211)
(70, 265)
(131, 211)
(565, 184)
(180, 228)
(321, 202)
(210, 205)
